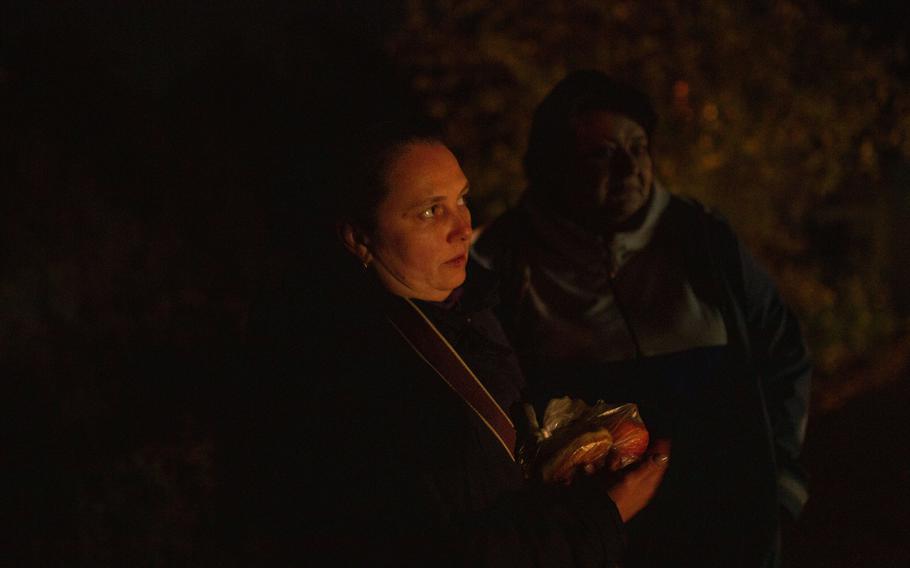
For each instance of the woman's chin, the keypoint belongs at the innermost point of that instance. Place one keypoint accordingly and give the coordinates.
(457, 278)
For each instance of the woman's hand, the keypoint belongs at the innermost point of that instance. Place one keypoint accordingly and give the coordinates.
(638, 483)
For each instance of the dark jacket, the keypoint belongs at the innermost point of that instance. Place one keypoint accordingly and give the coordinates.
(349, 448)
(682, 298)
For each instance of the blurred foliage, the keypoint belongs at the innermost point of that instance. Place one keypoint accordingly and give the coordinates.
(774, 113)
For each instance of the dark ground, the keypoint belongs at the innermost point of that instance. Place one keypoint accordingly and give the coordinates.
(859, 510)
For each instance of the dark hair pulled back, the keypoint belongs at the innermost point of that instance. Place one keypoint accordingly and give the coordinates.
(362, 180)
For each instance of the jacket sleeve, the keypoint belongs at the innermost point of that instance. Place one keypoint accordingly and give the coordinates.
(780, 356)
(334, 462)
(418, 501)
(375, 504)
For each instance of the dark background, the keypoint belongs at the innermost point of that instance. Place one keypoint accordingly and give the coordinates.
(161, 166)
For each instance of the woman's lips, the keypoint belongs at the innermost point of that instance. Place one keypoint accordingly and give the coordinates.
(457, 261)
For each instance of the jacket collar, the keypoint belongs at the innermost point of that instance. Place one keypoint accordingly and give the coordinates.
(478, 292)
(584, 248)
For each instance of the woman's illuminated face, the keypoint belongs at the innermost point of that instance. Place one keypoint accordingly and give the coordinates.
(419, 248)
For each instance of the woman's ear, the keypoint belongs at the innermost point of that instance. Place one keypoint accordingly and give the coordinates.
(356, 241)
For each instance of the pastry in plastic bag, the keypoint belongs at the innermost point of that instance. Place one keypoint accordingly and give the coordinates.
(630, 440)
(585, 449)
(576, 436)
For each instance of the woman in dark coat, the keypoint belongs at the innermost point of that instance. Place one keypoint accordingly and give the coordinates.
(615, 288)
(356, 446)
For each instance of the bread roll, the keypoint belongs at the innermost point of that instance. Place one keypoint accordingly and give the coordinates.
(587, 448)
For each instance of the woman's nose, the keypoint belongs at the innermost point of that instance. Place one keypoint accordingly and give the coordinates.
(624, 163)
(461, 228)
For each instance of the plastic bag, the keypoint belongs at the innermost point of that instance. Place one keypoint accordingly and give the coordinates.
(576, 436)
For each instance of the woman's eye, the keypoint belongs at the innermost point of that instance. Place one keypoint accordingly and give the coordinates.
(603, 152)
(430, 212)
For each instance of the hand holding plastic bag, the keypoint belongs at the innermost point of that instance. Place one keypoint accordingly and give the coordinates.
(576, 436)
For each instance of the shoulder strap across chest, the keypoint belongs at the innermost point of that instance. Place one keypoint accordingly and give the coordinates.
(420, 333)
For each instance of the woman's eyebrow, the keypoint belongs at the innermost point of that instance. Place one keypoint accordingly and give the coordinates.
(437, 198)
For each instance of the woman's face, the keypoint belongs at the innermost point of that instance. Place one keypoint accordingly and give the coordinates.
(423, 227)
(612, 174)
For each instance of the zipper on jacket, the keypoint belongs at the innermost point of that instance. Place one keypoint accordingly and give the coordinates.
(624, 315)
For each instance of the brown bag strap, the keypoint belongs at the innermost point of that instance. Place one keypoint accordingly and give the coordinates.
(429, 343)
